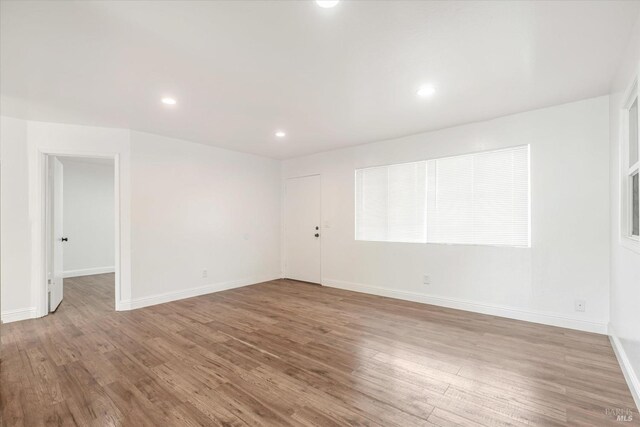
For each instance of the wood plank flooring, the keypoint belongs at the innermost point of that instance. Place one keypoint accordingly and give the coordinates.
(287, 353)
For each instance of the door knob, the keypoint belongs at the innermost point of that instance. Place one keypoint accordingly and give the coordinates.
(317, 235)
(64, 239)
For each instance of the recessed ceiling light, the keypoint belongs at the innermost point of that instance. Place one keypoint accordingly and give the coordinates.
(169, 101)
(280, 134)
(426, 91)
(327, 3)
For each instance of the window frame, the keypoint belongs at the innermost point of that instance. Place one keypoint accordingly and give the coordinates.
(627, 171)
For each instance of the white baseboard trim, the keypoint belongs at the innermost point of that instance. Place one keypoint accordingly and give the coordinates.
(88, 271)
(16, 315)
(192, 292)
(494, 310)
(627, 369)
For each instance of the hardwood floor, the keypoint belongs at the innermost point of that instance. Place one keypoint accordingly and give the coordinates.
(287, 353)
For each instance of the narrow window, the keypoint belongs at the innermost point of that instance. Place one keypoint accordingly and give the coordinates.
(631, 202)
(635, 206)
(633, 134)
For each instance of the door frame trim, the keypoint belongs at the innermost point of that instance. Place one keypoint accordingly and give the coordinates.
(40, 248)
(283, 248)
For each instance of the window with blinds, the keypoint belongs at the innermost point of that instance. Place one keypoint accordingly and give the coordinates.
(474, 199)
(391, 203)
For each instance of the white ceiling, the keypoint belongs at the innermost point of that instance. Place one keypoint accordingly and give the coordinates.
(328, 77)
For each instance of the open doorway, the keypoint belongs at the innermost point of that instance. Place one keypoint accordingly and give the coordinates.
(80, 232)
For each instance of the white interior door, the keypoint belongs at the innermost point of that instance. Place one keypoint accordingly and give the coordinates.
(57, 235)
(302, 229)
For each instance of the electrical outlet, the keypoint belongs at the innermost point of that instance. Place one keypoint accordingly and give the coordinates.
(205, 273)
(580, 305)
(426, 279)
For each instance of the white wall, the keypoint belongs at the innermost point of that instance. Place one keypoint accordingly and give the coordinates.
(625, 263)
(184, 207)
(570, 222)
(15, 247)
(197, 207)
(88, 216)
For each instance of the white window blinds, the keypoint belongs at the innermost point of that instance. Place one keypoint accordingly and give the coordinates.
(480, 199)
(391, 203)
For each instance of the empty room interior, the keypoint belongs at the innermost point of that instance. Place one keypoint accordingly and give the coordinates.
(319, 213)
